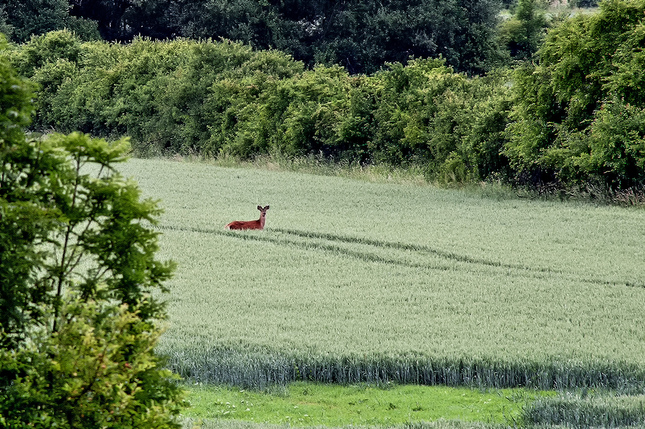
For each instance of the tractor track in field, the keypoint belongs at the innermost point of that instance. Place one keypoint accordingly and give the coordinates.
(334, 243)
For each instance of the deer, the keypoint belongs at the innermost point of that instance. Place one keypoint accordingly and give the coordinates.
(250, 224)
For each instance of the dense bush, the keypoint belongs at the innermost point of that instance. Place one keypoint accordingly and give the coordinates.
(431, 116)
(168, 96)
(217, 98)
(578, 116)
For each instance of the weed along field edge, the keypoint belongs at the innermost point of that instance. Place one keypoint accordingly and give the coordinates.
(359, 282)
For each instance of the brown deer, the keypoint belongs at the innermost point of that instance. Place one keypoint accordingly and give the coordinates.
(250, 224)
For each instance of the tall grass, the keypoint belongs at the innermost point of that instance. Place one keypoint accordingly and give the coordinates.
(578, 410)
(321, 166)
(261, 369)
(360, 281)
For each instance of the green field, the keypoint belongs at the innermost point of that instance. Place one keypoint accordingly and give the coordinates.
(303, 404)
(307, 404)
(354, 281)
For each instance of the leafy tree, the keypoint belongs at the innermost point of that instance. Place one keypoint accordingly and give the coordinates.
(124, 19)
(5, 26)
(584, 3)
(34, 17)
(523, 33)
(359, 35)
(78, 274)
(577, 113)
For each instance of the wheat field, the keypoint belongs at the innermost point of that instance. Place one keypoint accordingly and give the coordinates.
(360, 281)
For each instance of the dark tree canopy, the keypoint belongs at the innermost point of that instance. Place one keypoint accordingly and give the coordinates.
(20, 19)
(361, 35)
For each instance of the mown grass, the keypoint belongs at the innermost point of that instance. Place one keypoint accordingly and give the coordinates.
(311, 404)
(189, 423)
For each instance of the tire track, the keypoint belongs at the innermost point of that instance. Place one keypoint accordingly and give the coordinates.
(334, 243)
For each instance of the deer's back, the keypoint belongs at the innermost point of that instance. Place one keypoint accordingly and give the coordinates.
(244, 225)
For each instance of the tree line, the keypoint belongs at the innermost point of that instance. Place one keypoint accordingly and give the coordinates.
(571, 117)
(224, 98)
(360, 35)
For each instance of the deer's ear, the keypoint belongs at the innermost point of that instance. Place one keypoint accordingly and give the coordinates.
(266, 208)
(259, 207)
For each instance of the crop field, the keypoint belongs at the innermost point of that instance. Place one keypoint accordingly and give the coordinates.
(353, 281)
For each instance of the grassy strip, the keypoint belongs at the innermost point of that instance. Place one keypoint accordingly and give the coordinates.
(414, 174)
(190, 423)
(321, 166)
(311, 404)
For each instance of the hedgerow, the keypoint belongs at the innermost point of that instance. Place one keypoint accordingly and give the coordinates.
(223, 98)
(573, 118)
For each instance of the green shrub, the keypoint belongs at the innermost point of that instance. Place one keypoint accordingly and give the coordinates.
(50, 47)
(97, 370)
(449, 123)
(578, 113)
(223, 98)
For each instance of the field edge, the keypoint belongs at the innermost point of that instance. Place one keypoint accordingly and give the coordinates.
(257, 368)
